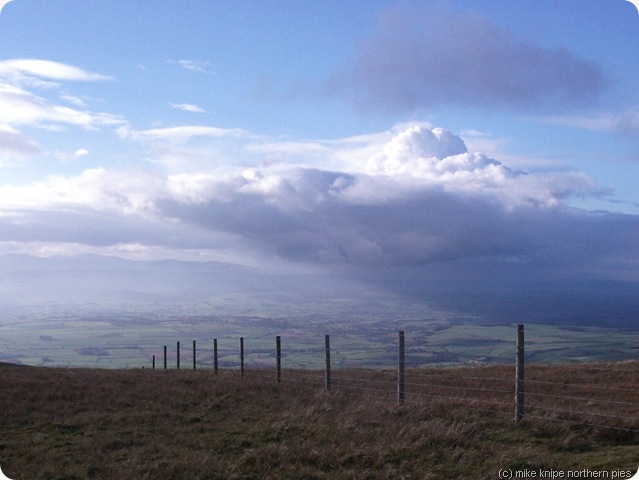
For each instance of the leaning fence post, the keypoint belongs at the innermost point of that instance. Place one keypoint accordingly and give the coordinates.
(519, 375)
(193, 354)
(242, 356)
(178, 355)
(327, 360)
(215, 355)
(401, 385)
(278, 359)
(164, 357)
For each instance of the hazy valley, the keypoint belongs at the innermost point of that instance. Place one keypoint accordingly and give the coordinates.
(109, 312)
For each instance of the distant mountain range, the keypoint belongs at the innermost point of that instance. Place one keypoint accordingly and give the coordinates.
(112, 281)
(99, 279)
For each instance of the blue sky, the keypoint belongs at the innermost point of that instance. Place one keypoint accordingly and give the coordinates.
(488, 136)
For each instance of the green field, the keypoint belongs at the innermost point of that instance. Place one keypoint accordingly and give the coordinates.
(362, 334)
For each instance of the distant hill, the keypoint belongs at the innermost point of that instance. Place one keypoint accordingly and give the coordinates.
(26, 279)
(112, 281)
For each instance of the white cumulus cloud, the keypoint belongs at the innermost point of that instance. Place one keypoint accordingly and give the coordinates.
(417, 200)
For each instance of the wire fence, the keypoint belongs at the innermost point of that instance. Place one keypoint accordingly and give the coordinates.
(602, 395)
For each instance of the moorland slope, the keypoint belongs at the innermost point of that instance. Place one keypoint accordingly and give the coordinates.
(153, 424)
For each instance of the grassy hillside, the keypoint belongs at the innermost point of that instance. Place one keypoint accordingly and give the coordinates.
(145, 424)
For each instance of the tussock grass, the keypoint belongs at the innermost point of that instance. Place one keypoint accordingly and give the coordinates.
(457, 423)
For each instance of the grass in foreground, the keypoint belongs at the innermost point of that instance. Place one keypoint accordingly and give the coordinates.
(144, 424)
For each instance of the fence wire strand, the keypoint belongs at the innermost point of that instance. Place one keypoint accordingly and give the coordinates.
(454, 383)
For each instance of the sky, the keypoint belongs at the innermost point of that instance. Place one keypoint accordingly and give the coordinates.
(494, 141)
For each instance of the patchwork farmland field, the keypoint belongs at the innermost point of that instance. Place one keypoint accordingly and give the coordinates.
(361, 336)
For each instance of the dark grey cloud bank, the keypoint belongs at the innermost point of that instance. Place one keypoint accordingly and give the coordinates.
(427, 227)
(468, 251)
(431, 55)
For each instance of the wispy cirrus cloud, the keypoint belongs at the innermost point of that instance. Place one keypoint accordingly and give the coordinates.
(21, 105)
(180, 133)
(44, 73)
(187, 107)
(194, 66)
(188, 147)
(75, 101)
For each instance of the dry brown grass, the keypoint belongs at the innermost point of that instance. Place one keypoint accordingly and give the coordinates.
(456, 423)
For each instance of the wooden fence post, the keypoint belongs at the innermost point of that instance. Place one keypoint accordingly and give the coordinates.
(519, 375)
(215, 355)
(193, 354)
(241, 356)
(178, 355)
(278, 359)
(327, 361)
(153, 362)
(164, 357)
(401, 385)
